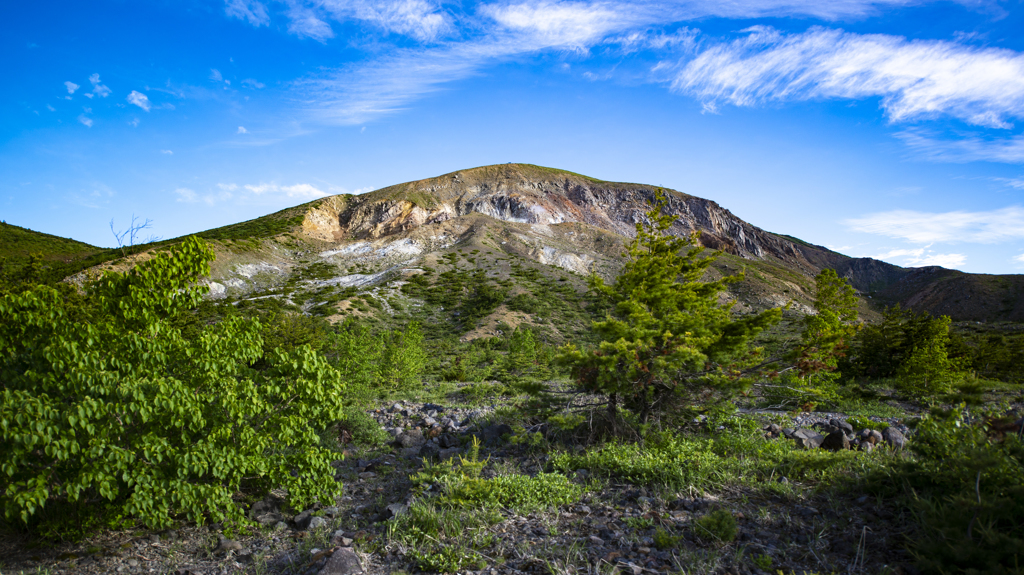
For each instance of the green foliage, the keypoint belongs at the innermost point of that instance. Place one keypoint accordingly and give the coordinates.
(402, 359)
(762, 561)
(913, 348)
(664, 539)
(718, 526)
(825, 337)
(666, 335)
(123, 408)
(672, 462)
(965, 485)
(859, 423)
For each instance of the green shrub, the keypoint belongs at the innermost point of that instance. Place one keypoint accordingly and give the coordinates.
(123, 408)
(665, 540)
(674, 462)
(718, 526)
(968, 494)
(859, 423)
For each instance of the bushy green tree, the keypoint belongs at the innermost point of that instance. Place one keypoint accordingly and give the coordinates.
(120, 407)
(911, 347)
(823, 342)
(402, 359)
(668, 336)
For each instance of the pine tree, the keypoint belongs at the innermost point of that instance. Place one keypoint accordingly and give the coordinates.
(667, 338)
(826, 335)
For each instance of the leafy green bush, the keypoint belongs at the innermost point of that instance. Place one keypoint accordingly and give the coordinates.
(968, 492)
(674, 462)
(665, 540)
(123, 408)
(859, 423)
(718, 526)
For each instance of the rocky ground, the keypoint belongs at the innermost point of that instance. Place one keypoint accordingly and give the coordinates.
(613, 528)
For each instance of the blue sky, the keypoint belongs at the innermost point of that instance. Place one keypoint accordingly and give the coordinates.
(888, 128)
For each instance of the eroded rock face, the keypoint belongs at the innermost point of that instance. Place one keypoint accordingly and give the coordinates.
(540, 197)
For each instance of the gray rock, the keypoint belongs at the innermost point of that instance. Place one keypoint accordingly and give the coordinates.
(808, 440)
(226, 545)
(774, 428)
(268, 519)
(429, 449)
(836, 441)
(316, 523)
(269, 504)
(866, 446)
(411, 438)
(343, 561)
(841, 425)
(302, 520)
(788, 432)
(894, 438)
(447, 441)
(493, 433)
(450, 453)
(429, 421)
(394, 510)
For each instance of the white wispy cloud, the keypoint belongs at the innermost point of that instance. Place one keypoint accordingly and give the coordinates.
(167, 152)
(253, 11)
(1019, 258)
(139, 99)
(961, 148)
(914, 78)
(242, 130)
(1015, 183)
(186, 195)
(416, 18)
(71, 86)
(98, 88)
(85, 120)
(305, 22)
(252, 83)
(228, 187)
(51, 108)
(994, 226)
(302, 191)
(922, 257)
(215, 75)
(356, 94)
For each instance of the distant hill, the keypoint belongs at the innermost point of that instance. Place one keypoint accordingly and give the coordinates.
(348, 255)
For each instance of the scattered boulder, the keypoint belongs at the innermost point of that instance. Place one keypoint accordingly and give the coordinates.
(343, 561)
(394, 510)
(429, 450)
(808, 439)
(493, 433)
(316, 523)
(836, 441)
(225, 545)
(411, 438)
(302, 520)
(448, 441)
(894, 438)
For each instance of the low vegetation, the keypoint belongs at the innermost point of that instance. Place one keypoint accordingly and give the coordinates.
(643, 412)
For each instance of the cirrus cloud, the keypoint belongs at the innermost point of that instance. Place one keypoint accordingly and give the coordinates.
(989, 227)
(915, 78)
(139, 99)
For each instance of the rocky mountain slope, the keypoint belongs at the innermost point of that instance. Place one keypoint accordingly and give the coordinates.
(323, 256)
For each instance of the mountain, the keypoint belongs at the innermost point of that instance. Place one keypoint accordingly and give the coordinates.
(506, 244)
